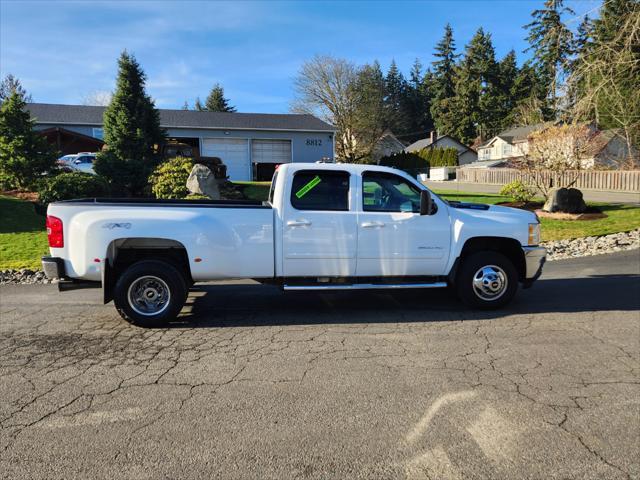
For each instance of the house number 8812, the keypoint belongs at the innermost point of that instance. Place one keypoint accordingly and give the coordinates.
(314, 142)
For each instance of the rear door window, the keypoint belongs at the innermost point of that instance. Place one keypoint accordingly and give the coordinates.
(320, 190)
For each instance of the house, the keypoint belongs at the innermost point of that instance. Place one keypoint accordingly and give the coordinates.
(606, 148)
(609, 149)
(249, 144)
(387, 145)
(509, 144)
(466, 155)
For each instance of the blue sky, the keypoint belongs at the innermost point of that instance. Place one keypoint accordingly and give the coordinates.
(63, 51)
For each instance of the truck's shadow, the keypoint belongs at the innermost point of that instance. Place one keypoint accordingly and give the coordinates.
(250, 305)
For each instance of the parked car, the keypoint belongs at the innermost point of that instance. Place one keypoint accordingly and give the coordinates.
(77, 162)
(324, 227)
(83, 162)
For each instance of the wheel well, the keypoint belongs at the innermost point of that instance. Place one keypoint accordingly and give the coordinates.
(125, 252)
(509, 247)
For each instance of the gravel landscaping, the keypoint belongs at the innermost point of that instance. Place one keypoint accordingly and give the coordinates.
(587, 246)
(556, 250)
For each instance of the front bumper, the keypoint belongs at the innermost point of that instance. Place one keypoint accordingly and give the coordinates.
(534, 258)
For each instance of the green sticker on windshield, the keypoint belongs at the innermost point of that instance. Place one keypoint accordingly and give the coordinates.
(304, 190)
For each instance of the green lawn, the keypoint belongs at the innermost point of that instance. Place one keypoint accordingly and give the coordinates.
(23, 239)
(255, 190)
(22, 236)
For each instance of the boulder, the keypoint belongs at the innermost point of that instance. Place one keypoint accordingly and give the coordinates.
(568, 200)
(202, 181)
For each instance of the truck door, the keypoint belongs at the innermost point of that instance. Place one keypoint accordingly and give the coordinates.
(319, 228)
(393, 238)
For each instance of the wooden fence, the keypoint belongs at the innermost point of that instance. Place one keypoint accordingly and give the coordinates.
(611, 180)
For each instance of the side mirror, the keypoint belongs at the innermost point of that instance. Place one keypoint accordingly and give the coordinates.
(425, 202)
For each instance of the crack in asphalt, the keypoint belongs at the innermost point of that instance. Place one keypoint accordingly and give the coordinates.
(68, 372)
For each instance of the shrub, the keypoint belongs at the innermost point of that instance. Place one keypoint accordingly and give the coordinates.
(67, 186)
(169, 179)
(519, 191)
(24, 154)
(410, 162)
(440, 157)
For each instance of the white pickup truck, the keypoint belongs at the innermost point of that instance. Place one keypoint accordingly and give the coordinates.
(324, 227)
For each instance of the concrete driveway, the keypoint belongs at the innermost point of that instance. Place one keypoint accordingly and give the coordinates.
(253, 383)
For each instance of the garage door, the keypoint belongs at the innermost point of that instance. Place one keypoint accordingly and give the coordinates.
(271, 151)
(234, 154)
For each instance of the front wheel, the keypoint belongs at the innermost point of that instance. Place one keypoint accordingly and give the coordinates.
(487, 280)
(150, 293)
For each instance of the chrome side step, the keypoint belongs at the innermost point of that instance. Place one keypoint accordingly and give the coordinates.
(365, 286)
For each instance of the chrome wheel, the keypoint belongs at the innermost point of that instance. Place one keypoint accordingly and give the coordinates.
(149, 295)
(490, 282)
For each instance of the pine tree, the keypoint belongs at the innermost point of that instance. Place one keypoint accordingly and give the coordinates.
(552, 44)
(131, 131)
(12, 84)
(368, 93)
(198, 106)
(24, 155)
(418, 103)
(395, 100)
(216, 101)
(443, 82)
(477, 99)
(185, 105)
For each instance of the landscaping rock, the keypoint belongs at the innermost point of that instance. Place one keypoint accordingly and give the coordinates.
(202, 181)
(24, 276)
(568, 200)
(587, 246)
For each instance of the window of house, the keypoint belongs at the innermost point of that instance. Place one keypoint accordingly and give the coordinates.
(386, 192)
(320, 190)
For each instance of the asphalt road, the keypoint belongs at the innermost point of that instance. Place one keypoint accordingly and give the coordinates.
(253, 383)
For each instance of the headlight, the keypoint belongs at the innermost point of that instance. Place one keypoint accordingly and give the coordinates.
(534, 234)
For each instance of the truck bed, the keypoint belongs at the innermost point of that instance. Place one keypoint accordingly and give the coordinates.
(154, 202)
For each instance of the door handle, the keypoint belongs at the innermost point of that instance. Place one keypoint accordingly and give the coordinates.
(372, 224)
(298, 223)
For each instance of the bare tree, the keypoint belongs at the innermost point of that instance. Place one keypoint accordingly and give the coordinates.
(607, 80)
(555, 156)
(324, 87)
(98, 98)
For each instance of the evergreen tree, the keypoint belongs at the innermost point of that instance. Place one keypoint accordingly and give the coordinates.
(612, 16)
(185, 105)
(443, 83)
(24, 155)
(216, 101)
(477, 93)
(11, 84)
(418, 103)
(369, 124)
(131, 131)
(552, 44)
(395, 100)
(507, 75)
(198, 106)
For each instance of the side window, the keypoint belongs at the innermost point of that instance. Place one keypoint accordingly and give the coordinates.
(320, 190)
(386, 192)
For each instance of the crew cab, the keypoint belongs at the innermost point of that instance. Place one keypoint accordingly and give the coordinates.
(324, 227)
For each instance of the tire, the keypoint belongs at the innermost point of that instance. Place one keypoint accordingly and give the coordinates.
(486, 280)
(150, 293)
